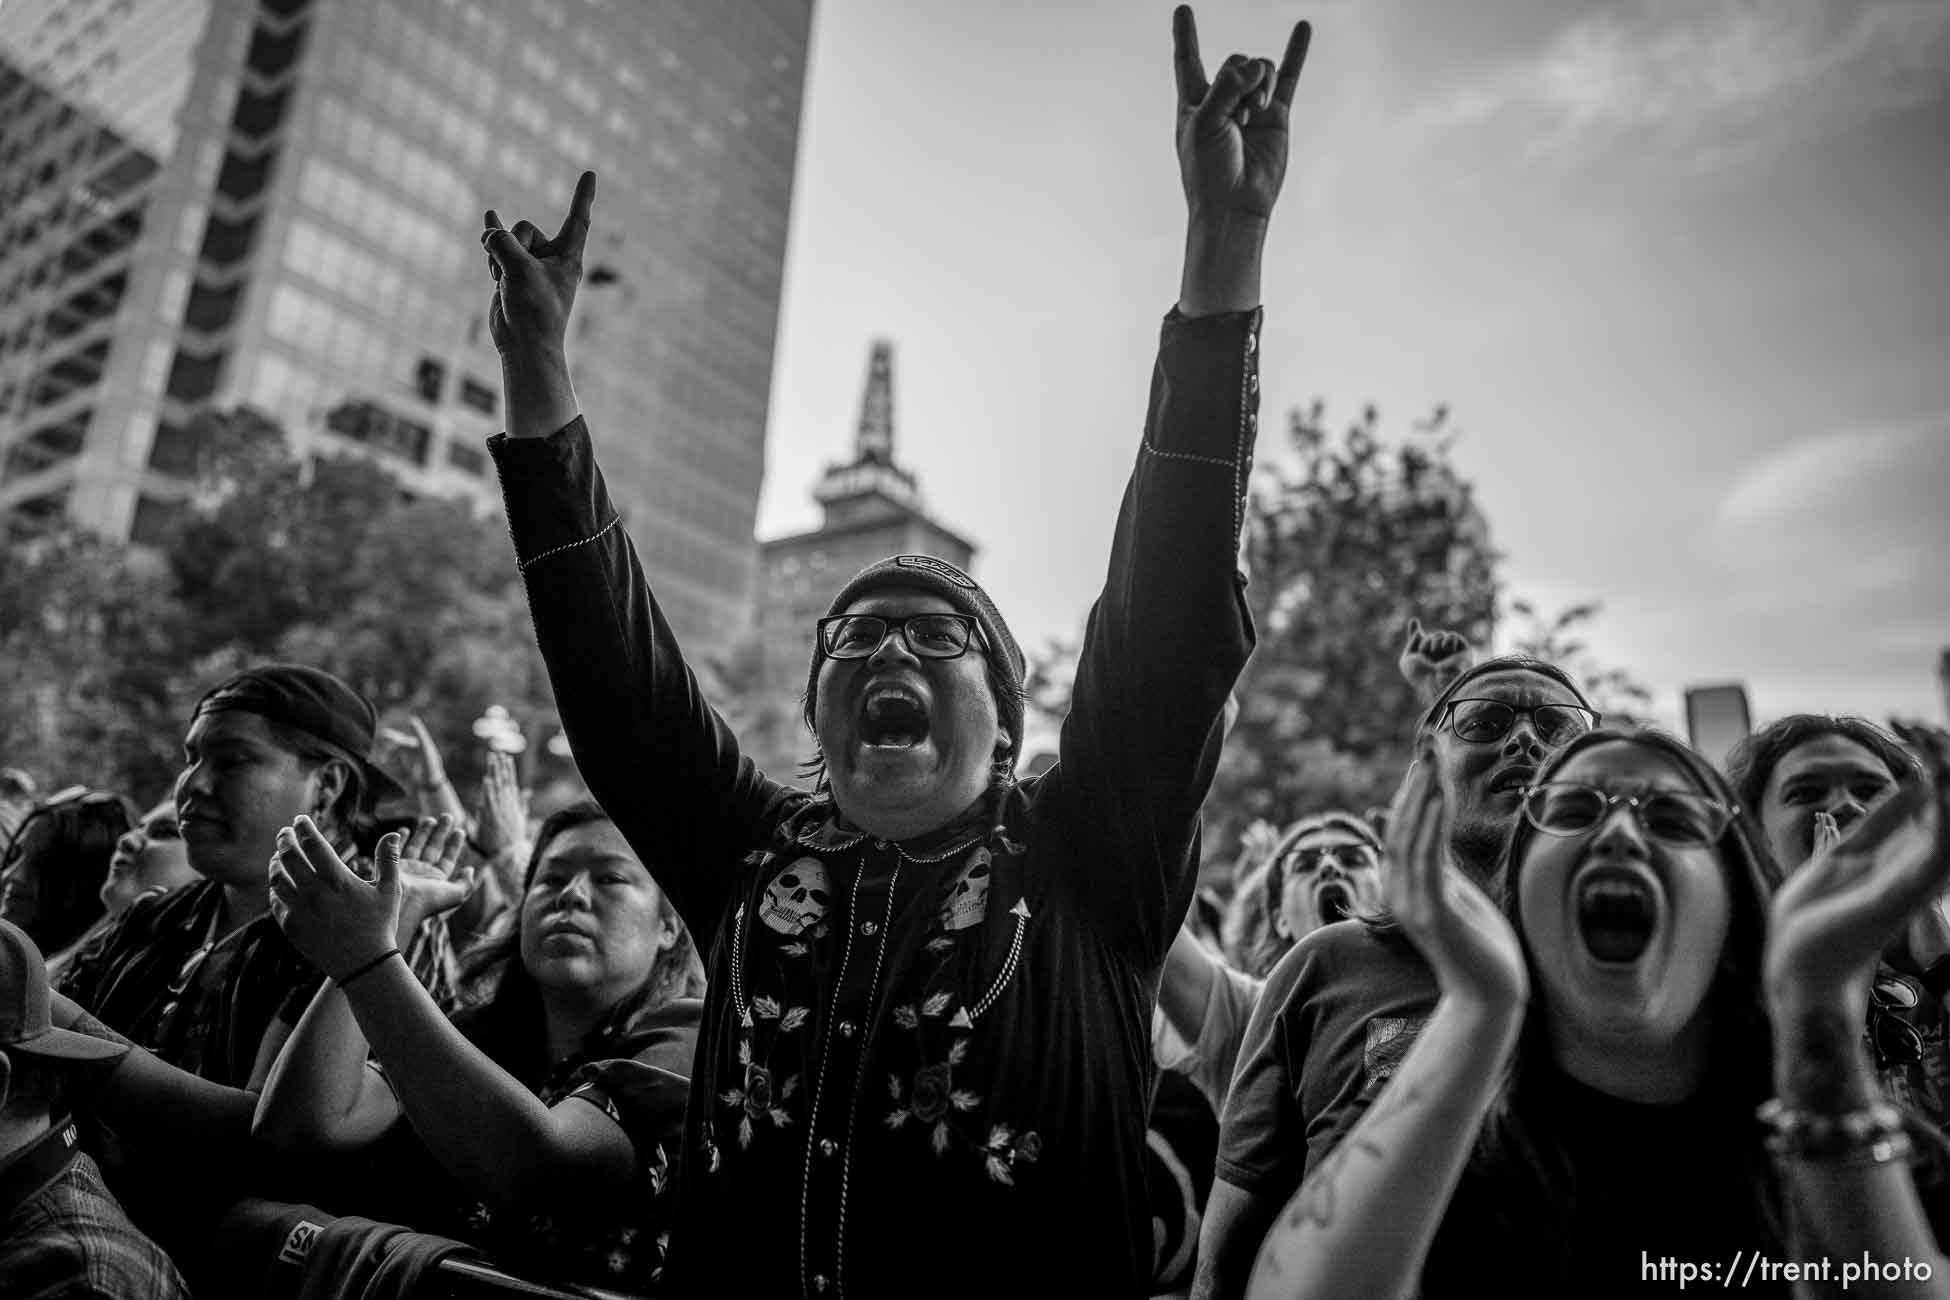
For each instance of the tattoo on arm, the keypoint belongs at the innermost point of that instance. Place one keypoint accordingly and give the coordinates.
(1315, 1201)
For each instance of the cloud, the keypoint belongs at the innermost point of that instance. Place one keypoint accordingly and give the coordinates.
(1861, 510)
(1727, 77)
(1829, 558)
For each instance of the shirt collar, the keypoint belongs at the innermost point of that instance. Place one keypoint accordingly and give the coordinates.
(32, 1168)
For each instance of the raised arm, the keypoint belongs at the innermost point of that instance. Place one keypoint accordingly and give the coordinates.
(1838, 1144)
(1362, 1222)
(1169, 634)
(1431, 660)
(654, 752)
(475, 1118)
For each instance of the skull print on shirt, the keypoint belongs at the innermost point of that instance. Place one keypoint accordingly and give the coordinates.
(797, 898)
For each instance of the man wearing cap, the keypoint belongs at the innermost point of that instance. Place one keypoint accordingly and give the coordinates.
(202, 976)
(1343, 1006)
(924, 1060)
(61, 1233)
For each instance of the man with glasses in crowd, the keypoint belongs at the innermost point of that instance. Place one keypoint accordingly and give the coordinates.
(923, 1065)
(1341, 1009)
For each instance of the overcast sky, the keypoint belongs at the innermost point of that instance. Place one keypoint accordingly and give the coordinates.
(1680, 270)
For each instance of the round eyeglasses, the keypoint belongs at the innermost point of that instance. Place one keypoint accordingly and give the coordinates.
(1670, 816)
(1349, 857)
(926, 636)
(1485, 721)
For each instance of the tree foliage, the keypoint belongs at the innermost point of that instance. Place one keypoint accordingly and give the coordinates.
(416, 602)
(1349, 537)
(1614, 692)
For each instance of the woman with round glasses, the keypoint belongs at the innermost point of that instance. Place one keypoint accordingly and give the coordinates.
(1581, 1105)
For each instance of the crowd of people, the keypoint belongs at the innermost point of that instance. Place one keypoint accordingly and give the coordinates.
(1580, 1014)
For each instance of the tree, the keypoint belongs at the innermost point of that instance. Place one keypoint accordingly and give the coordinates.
(416, 602)
(771, 729)
(86, 653)
(1348, 538)
(1614, 692)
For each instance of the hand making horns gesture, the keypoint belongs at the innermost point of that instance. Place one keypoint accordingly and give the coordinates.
(535, 278)
(1232, 132)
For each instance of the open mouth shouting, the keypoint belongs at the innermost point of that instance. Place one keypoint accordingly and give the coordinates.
(1333, 901)
(1618, 912)
(1514, 780)
(893, 716)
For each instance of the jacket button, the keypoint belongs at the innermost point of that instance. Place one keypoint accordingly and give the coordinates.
(869, 928)
(827, 1147)
(819, 1283)
(847, 1028)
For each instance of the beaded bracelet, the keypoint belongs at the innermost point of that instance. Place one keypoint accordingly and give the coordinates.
(344, 980)
(1873, 1135)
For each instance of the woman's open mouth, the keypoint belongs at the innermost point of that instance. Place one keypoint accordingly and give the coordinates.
(1617, 913)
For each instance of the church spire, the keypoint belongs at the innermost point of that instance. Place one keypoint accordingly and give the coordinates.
(874, 444)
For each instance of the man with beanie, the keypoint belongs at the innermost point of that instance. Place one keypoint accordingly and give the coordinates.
(924, 1059)
(61, 1233)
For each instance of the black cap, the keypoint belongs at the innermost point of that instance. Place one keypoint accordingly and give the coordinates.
(313, 701)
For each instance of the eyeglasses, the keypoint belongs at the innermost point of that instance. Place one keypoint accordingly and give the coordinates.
(1484, 721)
(1896, 1040)
(1351, 857)
(1669, 816)
(926, 636)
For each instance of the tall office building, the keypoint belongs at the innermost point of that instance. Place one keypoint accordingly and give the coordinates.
(872, 508)
(275, 203)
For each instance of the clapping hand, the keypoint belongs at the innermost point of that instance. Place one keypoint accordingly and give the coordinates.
(1468, 943)
(1833, 918)
(502, 816)
(1232, 131)
(341, 922)
(535, 278)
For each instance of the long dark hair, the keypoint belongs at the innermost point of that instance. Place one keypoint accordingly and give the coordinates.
(507, 1020)
(72, 864)
(1521, 1154)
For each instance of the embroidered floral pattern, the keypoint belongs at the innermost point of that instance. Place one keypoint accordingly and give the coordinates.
(757, 1098)
(931, 1096)
(1005, 1148)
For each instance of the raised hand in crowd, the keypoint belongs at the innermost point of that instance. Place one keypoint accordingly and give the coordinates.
(1232, 135)
(1431, 660)
(535, 281)
(342, 923)
(1838, 1142)
(427, 775)
(501, 822)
